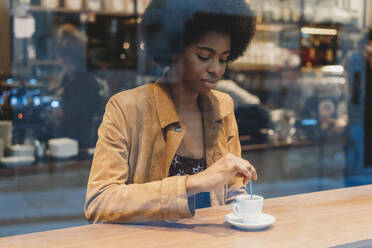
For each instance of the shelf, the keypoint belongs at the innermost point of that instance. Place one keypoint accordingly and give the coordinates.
(275, 27)
(334, 69)
(45, 63)
(46, 167)
(82, 11)
(241, 66)
(322, 142)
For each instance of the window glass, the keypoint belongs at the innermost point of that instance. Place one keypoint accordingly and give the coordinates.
(300, 92)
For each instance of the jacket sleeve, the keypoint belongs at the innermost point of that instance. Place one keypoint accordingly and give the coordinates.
(235, 187)
(111, 198)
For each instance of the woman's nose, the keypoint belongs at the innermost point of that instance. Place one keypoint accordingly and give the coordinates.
(215, 67)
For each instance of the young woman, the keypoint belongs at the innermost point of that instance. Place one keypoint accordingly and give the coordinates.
(171, 146)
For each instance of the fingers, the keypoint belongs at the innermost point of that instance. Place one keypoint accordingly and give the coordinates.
(232, 166)
(253, 173)
(246, 169)
(251, 169)
(245, 180)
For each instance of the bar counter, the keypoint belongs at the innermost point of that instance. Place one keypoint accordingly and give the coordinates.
(320, 219)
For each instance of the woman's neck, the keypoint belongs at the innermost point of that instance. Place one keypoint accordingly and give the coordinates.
(184, 98)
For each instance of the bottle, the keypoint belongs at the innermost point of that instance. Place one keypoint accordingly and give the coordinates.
(39, 149)
(94, 5)
(286, 11)
(50, 4)
(74, 4)
(295, 11)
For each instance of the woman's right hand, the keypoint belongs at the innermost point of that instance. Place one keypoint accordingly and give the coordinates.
(220, 173)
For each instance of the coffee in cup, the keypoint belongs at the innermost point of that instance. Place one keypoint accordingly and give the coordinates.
(248, 209)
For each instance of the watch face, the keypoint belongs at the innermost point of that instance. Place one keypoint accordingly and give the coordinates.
(326, 108)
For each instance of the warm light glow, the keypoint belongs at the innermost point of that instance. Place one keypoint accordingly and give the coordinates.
(142, 46)
(269, 28)
(333, 68)
(20, 116)
(126, 45)
(319, 31)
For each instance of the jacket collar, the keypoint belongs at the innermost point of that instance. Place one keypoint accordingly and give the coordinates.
(212, 109)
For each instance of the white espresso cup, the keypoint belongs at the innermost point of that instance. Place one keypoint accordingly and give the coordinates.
(247, 209)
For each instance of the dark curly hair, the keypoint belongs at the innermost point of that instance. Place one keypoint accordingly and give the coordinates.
(168, 26)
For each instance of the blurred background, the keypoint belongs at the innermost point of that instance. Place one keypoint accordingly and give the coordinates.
(302, 95)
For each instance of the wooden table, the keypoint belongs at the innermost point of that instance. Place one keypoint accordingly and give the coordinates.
(320, 219)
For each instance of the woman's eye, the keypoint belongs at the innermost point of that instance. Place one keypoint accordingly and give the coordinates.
(202, 58)
(223, 61)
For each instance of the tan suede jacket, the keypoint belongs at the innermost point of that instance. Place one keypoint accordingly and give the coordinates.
(137, 140)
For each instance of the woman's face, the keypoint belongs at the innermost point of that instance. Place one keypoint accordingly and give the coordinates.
(203, 64)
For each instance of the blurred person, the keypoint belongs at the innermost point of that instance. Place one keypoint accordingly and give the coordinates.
(356, 131)
(81, 97)
(240, 96)
(251, 116)
(171, 146)
(369, 49)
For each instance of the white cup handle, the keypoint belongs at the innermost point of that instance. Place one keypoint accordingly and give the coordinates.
(234, 208)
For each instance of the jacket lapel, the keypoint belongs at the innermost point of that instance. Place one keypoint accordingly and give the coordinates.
(169, 122)
(174, 136)
(164, 104)
(212, 126)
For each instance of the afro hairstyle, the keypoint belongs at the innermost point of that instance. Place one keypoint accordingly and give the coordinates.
(168, 26)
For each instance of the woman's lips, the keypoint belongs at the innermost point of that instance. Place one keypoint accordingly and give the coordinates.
(210, 84)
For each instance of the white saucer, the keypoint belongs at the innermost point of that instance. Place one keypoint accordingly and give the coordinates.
(263, 221)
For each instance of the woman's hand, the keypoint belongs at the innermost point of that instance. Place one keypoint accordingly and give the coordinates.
(221, 172)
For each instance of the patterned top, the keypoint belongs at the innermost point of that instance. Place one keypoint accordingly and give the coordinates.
(188, 166)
